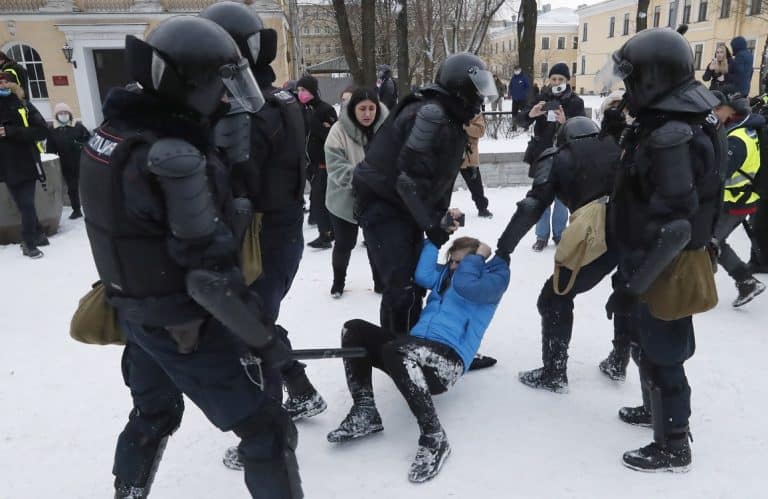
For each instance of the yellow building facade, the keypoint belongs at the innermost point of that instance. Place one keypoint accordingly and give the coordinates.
(33, 32)
(605, 26)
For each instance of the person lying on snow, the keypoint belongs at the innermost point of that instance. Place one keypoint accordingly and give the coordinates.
(465, 292)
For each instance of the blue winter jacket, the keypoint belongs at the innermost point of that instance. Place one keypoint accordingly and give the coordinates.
(518, 87)
(459, 316)
(741, 67)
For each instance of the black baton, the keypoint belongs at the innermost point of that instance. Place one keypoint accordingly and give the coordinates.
(329, 353)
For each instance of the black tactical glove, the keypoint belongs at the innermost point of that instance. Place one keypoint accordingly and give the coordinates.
(620, 303)
(438, 236)
(276, 355)
(613, 123)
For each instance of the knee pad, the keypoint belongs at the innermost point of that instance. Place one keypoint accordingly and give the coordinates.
(549, 303)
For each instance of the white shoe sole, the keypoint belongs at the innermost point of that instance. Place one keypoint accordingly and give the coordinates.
(678, 469)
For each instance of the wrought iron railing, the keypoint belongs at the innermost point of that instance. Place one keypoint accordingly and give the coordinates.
(501, 125)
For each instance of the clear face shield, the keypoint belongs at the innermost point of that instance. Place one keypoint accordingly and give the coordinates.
(242, 86)
(483, 81)
(613, 73)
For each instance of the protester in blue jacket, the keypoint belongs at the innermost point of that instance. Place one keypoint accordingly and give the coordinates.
(465, 292)
(519, 88)
(742, 66)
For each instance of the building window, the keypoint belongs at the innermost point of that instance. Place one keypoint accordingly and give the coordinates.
(306, 30)
(327, 49)
(698, 49)
(625, 30)
(725, 9)
(28, 57)
(575, 42)
(307, 50)
(656, 16)
(544, 70)
(584, 32)
(703, 10)
(672, 21)
(573, 68)
(317, 49)
(686, 11)
(497, 47)
(583, 64)
(754, 7)
(317, 30)
(545, 43)
(611, 26)
(751, 46)
(560, 43)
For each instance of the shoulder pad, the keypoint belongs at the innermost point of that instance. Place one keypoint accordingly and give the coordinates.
(549, 151)
(671, 134)
(429, 119)
(284, 96)
(432, 112)
(174, 158)
(232, 133)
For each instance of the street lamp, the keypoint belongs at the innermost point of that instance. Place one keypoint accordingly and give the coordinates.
(67, 51)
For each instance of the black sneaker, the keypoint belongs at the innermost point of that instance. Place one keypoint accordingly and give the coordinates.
(31, 251)
(614, 366)
(362, 420)
(305, 405)
(484, 213)
(42, 240)
(337, 289)
(76, 214)
(433, 450)
(675, 456)
(324, 241)
(539, 245)
(482, 362)
(545, 379)
(232, 459)
(748, 290)
(638, 416)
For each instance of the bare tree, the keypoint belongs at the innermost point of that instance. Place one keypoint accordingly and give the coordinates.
(526, 34)
(403, 66)
(368, 25)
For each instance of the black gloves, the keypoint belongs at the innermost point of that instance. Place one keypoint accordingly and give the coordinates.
(613, 123)
(276, 355)
(620, 303)
(438, 236)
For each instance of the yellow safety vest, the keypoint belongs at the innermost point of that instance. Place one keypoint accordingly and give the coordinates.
(25, 120)
(740, 182)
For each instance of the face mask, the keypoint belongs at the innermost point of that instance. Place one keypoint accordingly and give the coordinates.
(5, 92)
(559, 89)
(517, 72)
(305, 96)
(63, 118)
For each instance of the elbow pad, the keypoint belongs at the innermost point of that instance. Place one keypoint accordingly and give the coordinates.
(410, 194)
(232, 135)
(672, 238)
(180, 170)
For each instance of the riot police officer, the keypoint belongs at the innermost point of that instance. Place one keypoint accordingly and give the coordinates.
(155, 197)
(665, 203)
(403, 186)
(269, 169)
(581, 169)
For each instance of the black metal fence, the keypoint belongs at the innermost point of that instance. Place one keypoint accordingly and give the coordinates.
(500, 124)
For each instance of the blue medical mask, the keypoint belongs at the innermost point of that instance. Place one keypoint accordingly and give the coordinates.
(5, 92)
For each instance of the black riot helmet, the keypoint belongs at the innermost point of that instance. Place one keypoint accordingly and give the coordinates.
(652, 63)
(190, 62)
(466, 76)
(576, 128)
(245, 26)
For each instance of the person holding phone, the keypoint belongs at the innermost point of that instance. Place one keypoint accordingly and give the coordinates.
(718, 70)
(550, 109)
(465, 292)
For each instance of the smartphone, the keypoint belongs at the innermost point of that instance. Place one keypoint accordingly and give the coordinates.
(552, 105)
(449, 220)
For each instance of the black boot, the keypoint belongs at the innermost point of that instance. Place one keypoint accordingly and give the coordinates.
(31, 251)
(553, 375)
(674, 455)
(303, 399)
(363, 419)
(433, 450)
(123, 491)
(615, 365)
(323, 241)
(481, 362)
(337, 289)
(748, 290)
(638, 416)
(76, 213)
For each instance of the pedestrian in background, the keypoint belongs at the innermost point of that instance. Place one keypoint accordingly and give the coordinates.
(67, 139)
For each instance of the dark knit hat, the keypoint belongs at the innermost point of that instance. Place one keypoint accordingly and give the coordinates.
(310, 83)
(561, 69)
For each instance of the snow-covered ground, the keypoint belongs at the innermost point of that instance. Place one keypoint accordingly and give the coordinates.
(63, 404)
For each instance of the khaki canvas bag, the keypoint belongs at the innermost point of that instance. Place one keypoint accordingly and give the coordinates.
(686, 287)
(250, 251)
(95, 321)
(581, 243)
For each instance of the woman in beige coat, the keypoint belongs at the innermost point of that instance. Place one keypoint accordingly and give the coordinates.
(345, 147)
(470, 169)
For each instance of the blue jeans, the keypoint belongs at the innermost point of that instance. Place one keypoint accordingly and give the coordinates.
(559, 220)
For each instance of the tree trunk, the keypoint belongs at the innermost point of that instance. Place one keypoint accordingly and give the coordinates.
(347, 45)
(526, 33)
(403, 65)
(368, 59)
(641, 21)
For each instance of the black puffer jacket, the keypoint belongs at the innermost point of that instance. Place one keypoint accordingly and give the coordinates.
(320, 118)
(18, 150)
(67, 142)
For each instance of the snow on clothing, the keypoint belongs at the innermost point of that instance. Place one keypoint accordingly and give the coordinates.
(459, 315)
(741, 67)
(344, 149)
(519, 87)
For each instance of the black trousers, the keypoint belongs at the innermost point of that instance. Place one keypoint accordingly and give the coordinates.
(24, 196)
(71, 173)
(420, 368)
(759, 222)
(474, 181)
(345, 239)
(317, 208)
(394, 244)
(728, 259)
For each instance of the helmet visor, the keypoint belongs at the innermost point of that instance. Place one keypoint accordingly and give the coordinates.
(615, 70)
(242, 86)
(483, 81)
